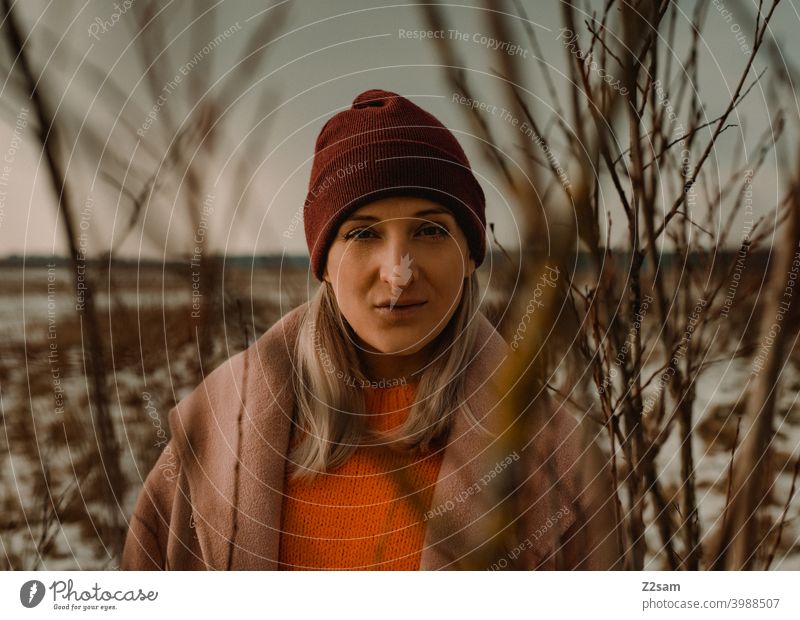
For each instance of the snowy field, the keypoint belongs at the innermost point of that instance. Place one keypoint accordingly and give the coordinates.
(53, 507)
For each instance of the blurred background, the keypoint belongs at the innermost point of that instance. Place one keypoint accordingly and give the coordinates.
(155, 159)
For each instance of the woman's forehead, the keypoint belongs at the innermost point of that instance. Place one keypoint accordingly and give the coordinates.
(388, 208)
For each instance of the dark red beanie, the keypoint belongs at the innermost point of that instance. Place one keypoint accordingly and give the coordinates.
(384, 145)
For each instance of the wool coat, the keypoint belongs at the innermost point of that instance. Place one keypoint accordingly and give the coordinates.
(213, 499)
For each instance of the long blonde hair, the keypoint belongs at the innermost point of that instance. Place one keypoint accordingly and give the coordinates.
(328, 381)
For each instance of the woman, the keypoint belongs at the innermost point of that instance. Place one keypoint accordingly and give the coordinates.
(362, 430)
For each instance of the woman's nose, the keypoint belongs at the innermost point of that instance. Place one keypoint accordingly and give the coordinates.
(397, 262)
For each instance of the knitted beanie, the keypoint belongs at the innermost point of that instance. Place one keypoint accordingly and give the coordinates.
(385, 145)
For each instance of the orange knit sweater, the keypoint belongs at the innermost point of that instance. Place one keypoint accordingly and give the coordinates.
(357, 516)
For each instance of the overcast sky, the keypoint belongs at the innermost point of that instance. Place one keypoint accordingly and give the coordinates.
(327, 54)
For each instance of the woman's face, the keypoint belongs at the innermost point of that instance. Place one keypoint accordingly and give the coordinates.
(397, 267)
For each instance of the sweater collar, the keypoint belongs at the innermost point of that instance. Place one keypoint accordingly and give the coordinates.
(232, 432)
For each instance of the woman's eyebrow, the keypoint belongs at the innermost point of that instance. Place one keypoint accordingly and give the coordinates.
(370, 218)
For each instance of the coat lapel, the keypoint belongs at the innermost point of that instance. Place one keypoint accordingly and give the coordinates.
(235, 426)
(462, 506)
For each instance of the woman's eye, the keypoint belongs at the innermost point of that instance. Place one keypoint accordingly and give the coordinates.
(435, 230)
(358, 233)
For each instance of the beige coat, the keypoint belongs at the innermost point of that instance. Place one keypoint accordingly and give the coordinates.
(192, 513)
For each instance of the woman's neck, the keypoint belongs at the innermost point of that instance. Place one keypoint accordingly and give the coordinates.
(392, 369)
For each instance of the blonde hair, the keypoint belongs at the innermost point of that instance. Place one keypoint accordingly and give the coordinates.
(328, 382)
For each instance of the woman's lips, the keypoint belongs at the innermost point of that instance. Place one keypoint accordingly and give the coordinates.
(399, 312)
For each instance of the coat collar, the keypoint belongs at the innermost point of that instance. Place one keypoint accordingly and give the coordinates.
(237, 422)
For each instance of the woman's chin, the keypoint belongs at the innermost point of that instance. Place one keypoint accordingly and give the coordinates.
(398, 346)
